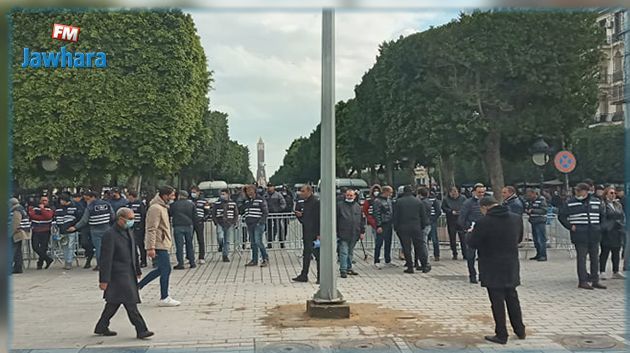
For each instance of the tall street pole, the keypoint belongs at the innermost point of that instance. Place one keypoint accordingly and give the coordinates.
(328, 288)
(626, 115)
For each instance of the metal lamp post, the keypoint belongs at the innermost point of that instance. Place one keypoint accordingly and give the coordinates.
(540, 157)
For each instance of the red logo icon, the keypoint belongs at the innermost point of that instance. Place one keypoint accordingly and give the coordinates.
(65, 33)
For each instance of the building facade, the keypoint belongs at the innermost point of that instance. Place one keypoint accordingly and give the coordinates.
(610, 108)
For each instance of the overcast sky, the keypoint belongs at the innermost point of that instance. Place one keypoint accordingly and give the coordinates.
(267, 67)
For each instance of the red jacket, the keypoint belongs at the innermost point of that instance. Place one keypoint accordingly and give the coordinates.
(367, 211)
(41, 219)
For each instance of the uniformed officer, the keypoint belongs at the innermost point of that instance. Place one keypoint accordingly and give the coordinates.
(99, 215)
(203, 212)
(67, 215)
(225, 218)
(536, 208)
(139, 215)
(432, 205)
(582, 215)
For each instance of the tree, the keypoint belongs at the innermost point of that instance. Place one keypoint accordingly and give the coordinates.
(137, 116)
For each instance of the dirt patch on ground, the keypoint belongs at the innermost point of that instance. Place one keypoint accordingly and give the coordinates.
(482, 319)
(386, 321)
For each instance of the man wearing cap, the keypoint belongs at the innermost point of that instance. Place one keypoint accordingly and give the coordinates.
(469, 215)
(20, 227)
(582, 215)
(98, 215)
(67, 215)
(496, 236)
(184, 214)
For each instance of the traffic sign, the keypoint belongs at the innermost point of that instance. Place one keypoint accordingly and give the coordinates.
(565, 162)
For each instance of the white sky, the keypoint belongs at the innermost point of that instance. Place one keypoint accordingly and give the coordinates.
(267, 67)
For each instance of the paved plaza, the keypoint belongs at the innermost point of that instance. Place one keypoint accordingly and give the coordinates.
(227, 307)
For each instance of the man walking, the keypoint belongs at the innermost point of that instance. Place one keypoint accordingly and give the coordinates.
(20, 227)
(139, 217)
(582, 215)
(469, 215)
(256, 213)
(496, 236)
(275, 203)
(412, 226)
(433, 207)
(383, 215)
(203, 212)
(536, 208)
(183, 214)
(158, 241)
(41, 221)
(307, 212)
(225, 218)
(118, 275)
(350, 228)
(452, 206)
(66, 216)
(84, 233)
(98, 215)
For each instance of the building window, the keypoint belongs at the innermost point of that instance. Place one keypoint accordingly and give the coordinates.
(617, 67)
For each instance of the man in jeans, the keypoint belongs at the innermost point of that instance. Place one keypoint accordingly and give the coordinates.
(66, 216)
(256, 213)
(350, 228)
(451, 206)
(383, 214)
(469, 215)
(536, 208)
(158, 241)
(99, 215)
(225, 218)
(41, 221)
(433, 208)
(183, 214)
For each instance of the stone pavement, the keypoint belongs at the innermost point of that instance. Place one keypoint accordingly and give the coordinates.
(227, 307)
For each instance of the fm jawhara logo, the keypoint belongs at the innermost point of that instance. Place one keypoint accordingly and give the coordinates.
(63, 58)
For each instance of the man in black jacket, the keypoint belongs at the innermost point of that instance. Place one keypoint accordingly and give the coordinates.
(383, 215)
(119, 271)
(309, 217)
(496, 237)
(411, 224)
(536, 208)
(183, 213)
(582, 215)
(469, 215)
(139, 217)
(432, 206)
(350, 228)
(451, 206)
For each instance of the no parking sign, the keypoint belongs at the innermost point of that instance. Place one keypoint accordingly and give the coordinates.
(565, 162)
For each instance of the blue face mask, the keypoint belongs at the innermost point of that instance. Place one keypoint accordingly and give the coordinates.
(129, 224)
(193, 195)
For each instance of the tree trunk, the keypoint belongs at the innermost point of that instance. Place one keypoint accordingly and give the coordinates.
(133, 182)
(447, 171)
(492, 159)
(389, 172)
(412, 173)
(373, 178)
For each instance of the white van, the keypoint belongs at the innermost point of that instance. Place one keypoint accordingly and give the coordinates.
(212, 189)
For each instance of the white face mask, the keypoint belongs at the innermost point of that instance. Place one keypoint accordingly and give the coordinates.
(580, 197)
(376, 193)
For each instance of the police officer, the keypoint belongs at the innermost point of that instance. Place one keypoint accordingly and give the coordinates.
(536, 208)
(435, 211)
(256, 213)
(383, 214)
(99, 215)
(139, 215)
(84, 233)
(67, 215)
(203, 212)
(582, 215)
(225, 218)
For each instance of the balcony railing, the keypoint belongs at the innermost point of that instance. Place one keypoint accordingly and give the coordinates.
(617, 94)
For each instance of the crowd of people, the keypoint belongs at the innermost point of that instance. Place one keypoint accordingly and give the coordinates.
(120, 232)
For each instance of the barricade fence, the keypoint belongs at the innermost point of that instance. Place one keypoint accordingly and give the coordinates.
(285, 231)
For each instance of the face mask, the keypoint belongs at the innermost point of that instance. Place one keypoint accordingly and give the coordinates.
(349, 200)
(193, 195)
(129, 224)
(224, 198)
(580, 197)
(170, 202)
(376, 193)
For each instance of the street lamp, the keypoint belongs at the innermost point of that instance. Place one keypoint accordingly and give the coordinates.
(540, 156)
(49, 166)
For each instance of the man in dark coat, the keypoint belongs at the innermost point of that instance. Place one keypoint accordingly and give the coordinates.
(451, 206)
(496, 237)
(468, 216)
(411, 223)
(350, 228)
(309, 217)
(119, 271)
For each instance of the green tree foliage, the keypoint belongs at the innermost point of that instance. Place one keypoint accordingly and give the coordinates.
(600, 154)
(137, 116)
